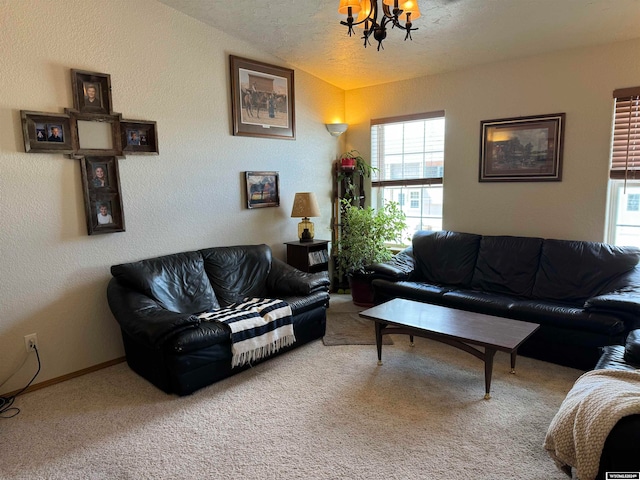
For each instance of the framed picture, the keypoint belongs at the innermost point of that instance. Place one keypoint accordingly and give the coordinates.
(91, 91)
(139, 137)
(263, 189)
(95, 133)
(102, 196)
(46, 132)
(262, 99)
(523, 149)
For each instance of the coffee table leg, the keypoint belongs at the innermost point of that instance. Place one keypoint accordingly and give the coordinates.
(411, 344)
(379, 328)
(488, 370)
(513, 361)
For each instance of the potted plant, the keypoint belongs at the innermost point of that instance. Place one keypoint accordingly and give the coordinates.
(351, 168)
(352, 161)
(362, 241)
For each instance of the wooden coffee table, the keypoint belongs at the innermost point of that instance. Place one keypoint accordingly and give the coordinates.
(458, 328)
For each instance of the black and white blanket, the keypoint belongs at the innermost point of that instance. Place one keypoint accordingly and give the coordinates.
(259, 328)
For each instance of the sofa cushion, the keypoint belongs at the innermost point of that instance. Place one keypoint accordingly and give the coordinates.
(575, 270)
(178, 282)
(480, 302)
(507, 265)
(420, 291)
(445, 258)
(238, 272)
(566, 316)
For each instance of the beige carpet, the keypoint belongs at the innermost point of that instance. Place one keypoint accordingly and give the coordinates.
(313, 413)
(346, 327)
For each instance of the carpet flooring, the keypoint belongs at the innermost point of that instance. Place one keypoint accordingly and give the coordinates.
(312, 413)
(346, 327)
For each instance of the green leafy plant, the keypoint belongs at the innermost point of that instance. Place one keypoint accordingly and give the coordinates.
(362, 167)
(363, 234)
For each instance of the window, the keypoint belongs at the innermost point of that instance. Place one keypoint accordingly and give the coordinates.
(624, 200)
(409, 155)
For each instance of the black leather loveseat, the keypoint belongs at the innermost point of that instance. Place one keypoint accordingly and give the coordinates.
(585, 295)
(155, 301)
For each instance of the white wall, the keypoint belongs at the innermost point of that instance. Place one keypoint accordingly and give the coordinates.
(166, 67)
(578, 82)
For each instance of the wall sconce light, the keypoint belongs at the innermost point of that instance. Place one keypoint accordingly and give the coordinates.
(305, 205)
(336, 129)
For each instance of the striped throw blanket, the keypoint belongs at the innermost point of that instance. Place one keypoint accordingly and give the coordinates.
(259, 328)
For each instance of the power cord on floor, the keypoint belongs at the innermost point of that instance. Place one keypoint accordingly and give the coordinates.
(6, 408)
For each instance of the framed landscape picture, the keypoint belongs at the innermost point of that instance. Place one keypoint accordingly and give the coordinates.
(523, 149)
(262, 99)
(263, 189)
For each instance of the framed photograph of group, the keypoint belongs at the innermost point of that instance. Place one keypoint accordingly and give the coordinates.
(263, 189)
(522, 149)
(102, 197)
(139, 137)
(262, 99)
(46, 132)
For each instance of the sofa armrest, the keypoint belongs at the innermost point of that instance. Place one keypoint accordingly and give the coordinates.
(632, 347)
(399, 268)
(622, 300)
(143, 318)
(286, 280)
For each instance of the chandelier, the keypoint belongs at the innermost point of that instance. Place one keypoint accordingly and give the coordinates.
(394, 12)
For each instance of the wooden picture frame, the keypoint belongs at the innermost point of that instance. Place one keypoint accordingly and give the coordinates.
(262, 99)
(262, 189)
(95, 134)
(46, 132)
(139, 137)
(102, 196)
(522, 149)
(91, 92)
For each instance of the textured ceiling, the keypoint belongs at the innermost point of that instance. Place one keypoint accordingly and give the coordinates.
(453, 34)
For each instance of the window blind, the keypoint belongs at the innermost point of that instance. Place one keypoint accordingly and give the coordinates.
(408, 150)
(625, 150)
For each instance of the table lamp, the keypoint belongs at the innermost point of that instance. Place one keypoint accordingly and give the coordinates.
(305, 205)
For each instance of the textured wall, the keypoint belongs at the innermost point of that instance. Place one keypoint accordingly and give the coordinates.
(578, 82)
(166, 67)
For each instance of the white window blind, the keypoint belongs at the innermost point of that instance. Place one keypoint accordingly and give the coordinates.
(408, 150)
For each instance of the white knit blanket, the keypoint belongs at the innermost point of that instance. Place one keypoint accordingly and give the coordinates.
(259, 328)
(590, 410)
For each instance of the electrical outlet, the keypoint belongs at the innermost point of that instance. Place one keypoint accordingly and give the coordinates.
(31, 342)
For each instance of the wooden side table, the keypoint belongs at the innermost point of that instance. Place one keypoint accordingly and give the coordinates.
(310, 256)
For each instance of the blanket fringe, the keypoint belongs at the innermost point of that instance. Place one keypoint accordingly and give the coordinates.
(261, 352)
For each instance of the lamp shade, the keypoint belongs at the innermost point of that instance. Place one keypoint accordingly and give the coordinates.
(305, 205)
(410, 6)
(365, 11)
(345, 4)
(336, 129)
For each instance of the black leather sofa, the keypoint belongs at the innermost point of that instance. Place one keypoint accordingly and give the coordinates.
(621, 451)
(585, 295)
(155, 302)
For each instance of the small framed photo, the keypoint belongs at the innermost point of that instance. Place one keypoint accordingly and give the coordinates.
(522, 149)
(91, 92)
(139, 137)
(46, 132)
(262, 99)
(102, 196)
(263, 189)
